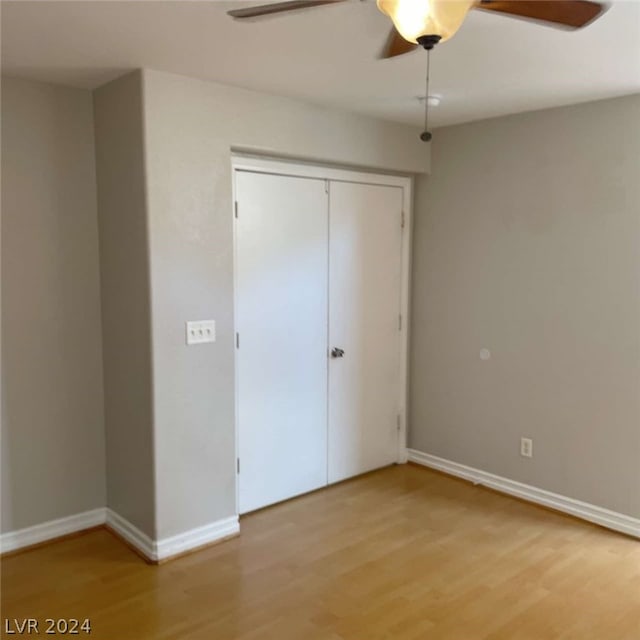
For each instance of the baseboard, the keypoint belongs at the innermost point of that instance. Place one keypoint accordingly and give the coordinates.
(14, 540)
(137, 539)
(592, 513)
(196, 538)
(160, 550)
(151, 550)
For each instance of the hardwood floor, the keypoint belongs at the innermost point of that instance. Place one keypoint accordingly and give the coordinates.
(402, 553)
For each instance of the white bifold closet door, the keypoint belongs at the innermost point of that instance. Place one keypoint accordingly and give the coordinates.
(365, 271)
(281, 319)
(318, 290)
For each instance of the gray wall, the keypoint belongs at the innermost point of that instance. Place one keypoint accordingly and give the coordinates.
(126, 324)
(527, 242)
(191, 128)
(52, 420)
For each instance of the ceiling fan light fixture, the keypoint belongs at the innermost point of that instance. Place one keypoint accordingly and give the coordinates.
(417, 20)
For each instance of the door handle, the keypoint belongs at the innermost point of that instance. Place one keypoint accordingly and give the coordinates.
(337, 353)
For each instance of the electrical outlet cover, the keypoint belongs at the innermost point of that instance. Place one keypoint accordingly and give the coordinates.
(526, 447)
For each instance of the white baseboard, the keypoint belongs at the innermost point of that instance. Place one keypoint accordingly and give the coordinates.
(156, 550)
(592, 513)
(136, 538)
(13, 540)
(198, 537)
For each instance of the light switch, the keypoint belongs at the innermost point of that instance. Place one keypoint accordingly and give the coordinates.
(201, 331)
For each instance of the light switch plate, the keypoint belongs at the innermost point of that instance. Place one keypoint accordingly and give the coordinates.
(201, 331)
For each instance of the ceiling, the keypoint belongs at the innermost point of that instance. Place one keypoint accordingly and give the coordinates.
(493, 66)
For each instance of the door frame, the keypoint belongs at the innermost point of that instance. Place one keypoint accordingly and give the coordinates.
(303, 169)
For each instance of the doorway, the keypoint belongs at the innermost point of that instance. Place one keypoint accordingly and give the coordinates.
(321, 287)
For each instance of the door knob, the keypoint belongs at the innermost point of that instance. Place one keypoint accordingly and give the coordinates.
(337, 353)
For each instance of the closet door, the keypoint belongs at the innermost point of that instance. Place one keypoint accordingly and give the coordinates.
(365, 258)
(281, 319)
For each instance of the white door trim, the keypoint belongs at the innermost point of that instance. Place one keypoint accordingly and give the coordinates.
(321, 172)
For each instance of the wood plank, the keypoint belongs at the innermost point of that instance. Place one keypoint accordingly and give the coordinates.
(402, 553)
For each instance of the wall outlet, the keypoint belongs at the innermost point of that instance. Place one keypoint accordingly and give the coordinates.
(526, 447)
(201, 331)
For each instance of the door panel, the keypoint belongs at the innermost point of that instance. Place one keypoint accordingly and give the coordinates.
(365, 267)
(281, 293)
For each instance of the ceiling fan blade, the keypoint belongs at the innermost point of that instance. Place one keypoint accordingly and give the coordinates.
(396, 45)
(278, 7)
(567, 13)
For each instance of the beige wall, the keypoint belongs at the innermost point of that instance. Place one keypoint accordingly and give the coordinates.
(191, 128)
(527, 242)
(124, 271)
(52, 416)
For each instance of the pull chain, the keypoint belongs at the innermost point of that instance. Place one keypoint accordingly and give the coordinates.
(426, 136)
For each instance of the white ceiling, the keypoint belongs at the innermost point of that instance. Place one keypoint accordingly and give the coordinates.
(493, 66)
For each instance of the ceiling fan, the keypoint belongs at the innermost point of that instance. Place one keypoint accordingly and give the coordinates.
(428, 22)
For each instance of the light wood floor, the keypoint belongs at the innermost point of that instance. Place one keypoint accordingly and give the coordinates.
(402, 553)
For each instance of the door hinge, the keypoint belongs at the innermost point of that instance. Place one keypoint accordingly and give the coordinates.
(238, 464)
(235, 208)
(400, 322)
(326, 186)
(237, 340)
(398, 422)
(402, 220)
